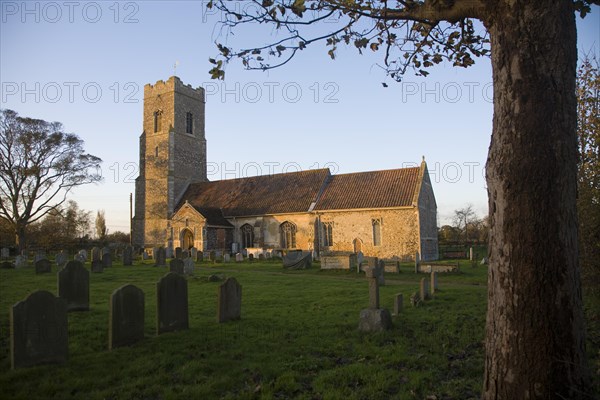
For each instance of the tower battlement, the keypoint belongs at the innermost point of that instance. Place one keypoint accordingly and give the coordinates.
(174, 84)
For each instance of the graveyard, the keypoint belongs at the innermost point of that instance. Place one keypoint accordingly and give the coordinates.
(296, 336)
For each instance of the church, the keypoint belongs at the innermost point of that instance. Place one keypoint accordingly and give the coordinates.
(387, 214)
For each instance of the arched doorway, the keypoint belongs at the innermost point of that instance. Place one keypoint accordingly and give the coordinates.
(187, 239)
(357, 243)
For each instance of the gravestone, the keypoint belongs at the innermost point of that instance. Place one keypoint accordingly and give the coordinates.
(160, 257)
(176, 265)
(178, 253)
(21, 261)
(43, 266)
(239, 257)
(261, 257)
(5, 253)
(95, 254)
(424, 289)
(250, 257)
(417, 262)
(97, 266)
(185, 254)
(229, 301)
(188, 266)
(434, 284)
(145, 255)
(106, 258)
(226, 258)
(374, 319)
(38, 330)
(126, 316)
(39, 255)
(169, 252)
(128, 256)
(471, 254)
(200, 256)
(194, 253)
(212, 256)
(61, 259)
(7, 265)
(84, 254)
(79, 256)
(154, 252)
(74, 286)
(171, 303)
(415, 299)
(398, 301)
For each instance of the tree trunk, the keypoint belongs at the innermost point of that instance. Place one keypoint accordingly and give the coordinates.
(20, 237)
(534, 331)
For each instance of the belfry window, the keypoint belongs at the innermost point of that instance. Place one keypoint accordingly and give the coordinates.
(157, 121)
(189, 123)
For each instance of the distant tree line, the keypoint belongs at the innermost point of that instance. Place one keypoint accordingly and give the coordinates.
(466, 228)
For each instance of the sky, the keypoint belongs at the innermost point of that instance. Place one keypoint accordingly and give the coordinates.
(85, 64)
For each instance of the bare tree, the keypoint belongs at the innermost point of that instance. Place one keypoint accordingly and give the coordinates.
(39, 165)
(535, 336)
(462, 218)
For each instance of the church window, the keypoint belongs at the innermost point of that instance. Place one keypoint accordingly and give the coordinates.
(288, 235)
(328, 234)
(156, 151)
(247, 236)
(189, 123)
(376, 232)
(157, 121)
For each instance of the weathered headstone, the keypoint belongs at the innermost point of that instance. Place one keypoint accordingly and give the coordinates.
(194, 253)
(434, 284)
(79, 256)
(107, 258)
(200, 256)
(398, 300)
(261, 257)
(188, 266)
(239, 257)
(96, 254)
(39, 255)
(374, 319)
(5, 253)
(178, 253)
(38, 330)
(7, 265)
(160, 257)
(417, 262)
(84, 254)
(126, 316)
(169, 252)
(128, 256)
(176, 265)
(226, 258)
(43, 266)
(229, 301)
(171, 303)
(61, 259)
(471, 254)
(268, 255)
(74, 286)
(424, 289)
(21, 261)
(213, 256)
(97, 266)
(415, 299)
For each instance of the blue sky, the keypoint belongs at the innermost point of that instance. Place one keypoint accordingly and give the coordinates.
(85, 64)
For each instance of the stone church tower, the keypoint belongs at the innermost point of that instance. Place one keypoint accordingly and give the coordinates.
(172, 155)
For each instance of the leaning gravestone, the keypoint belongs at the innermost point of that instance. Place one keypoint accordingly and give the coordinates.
(7, 265)
(171, 303)
(61, 259)
(176, 265)
(374, 319)
(160, 256)
(188, 266)
(43, 266)
(21, 261)
(126, 316)
(74, 286)
(97, 266)
(229, 301)
(38, 330)
(128, 256)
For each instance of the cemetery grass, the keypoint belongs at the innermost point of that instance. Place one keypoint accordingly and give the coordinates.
(297, 338)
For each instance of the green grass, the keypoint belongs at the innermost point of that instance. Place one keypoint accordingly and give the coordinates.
(297, 338)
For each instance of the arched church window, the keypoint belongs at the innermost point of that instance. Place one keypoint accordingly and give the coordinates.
(376, 232)
(288, 235)
(327, 233)
(157, 121)
(247, 236)
(189, 123)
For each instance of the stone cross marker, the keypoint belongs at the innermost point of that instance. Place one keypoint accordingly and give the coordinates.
(160, 256)
(126, 317)
(188, 266)
(176, 265)
(38, 330)
(171, 303)
(229, 301)
(374, 319)
(373, 279)
(43, 266)
(398, 303)
(128, 256)
(424, 289)
(434, 284)
(61, 259)
(74, 286)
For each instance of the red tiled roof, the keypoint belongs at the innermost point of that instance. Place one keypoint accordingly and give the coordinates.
(375, 189)
(259, 195)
